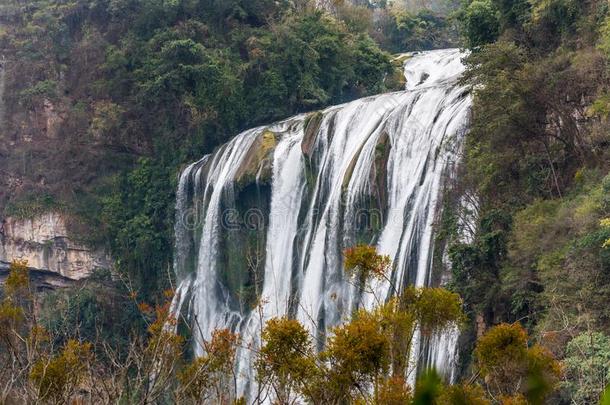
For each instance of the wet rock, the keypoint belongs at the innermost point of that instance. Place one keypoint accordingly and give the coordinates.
(257, 166)
(312, 128)
(379, 178)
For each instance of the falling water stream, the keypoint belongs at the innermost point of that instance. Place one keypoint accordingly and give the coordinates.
(265, 218)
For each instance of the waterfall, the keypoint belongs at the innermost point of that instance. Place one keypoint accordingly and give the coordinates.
(263, 221)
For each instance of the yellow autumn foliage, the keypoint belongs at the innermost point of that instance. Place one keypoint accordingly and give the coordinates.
(57, 378)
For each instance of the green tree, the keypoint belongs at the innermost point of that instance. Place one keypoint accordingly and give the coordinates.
(480, 22)
(286, 360)
(509, 367)
(58, 378)
(364, 262)
(587, 366)
(211, 377)
(358, 354)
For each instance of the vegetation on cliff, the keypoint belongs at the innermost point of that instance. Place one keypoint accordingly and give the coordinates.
(537, 171)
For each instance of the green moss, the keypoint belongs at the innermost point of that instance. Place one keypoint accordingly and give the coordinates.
(241, 266)
(310, 176)
(257, 164)
(369, 220)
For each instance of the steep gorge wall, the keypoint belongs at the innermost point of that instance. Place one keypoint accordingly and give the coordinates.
(41, 239)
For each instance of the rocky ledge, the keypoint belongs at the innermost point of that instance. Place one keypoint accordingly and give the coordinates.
(41, 280)
(43, 242)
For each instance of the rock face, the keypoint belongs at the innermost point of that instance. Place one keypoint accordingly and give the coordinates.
(256, 166)
(41, 280)
(43, 242)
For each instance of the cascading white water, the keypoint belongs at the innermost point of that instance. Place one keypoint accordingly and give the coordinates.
(370, 171)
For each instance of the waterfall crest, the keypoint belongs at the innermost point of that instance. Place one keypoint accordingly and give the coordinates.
(265, 218)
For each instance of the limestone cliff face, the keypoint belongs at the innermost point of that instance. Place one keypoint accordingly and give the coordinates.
(44, 243)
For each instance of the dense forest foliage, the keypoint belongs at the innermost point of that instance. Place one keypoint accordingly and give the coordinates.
(106, 100)
(537, 176)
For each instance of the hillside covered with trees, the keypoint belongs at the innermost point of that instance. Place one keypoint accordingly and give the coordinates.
(104, 102)
(536, 168)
